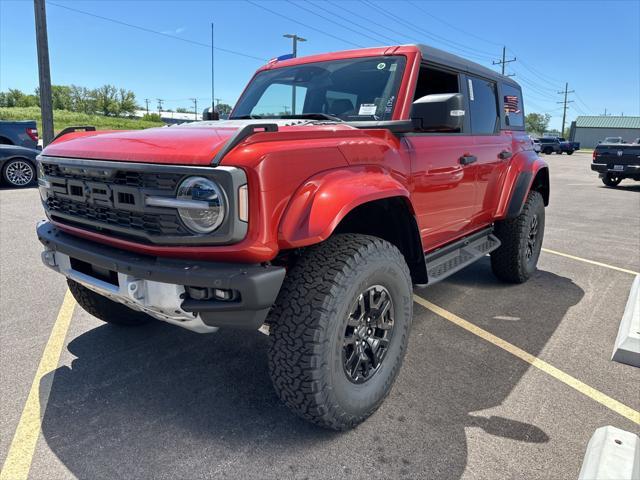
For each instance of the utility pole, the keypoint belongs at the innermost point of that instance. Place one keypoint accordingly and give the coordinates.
(146, 101)
(504, 61)
(213, 107)
(159, 105)
(295, 39)
(195, 107)
(565, 102)
(44, 72)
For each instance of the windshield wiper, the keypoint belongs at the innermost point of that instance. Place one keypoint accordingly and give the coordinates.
(315, 116)
(246, 117)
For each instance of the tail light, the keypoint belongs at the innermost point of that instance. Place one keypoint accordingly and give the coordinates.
(594, 156)
(33, 133)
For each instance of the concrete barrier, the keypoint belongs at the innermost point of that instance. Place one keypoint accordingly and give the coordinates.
(627, 346)
(612, 454)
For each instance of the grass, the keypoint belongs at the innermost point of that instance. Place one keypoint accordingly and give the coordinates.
(64, 118)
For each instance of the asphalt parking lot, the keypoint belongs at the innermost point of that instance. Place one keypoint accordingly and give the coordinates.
(160, 402)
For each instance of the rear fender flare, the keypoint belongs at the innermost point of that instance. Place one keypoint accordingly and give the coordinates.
(318, 206)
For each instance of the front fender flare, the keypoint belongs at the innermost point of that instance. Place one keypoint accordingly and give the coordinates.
(318, 206)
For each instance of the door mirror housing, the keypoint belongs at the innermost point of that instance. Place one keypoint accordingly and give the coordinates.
(210, 114)
(441, 112)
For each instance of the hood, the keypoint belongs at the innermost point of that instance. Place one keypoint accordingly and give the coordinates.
(187, 144)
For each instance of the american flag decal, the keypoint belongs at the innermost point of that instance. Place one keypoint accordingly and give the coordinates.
(511, 104)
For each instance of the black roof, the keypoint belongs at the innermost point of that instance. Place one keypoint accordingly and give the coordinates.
(440, 57)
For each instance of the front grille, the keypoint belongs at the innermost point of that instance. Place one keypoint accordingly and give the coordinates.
(156, 181)
(152, 224)
(109, 197)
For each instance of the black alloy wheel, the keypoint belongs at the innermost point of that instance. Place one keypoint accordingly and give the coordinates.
(367, 335)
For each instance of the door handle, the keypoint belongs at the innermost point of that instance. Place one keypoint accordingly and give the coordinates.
(505, 155)
(467, 159)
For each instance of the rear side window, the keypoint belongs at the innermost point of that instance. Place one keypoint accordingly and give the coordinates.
(513, 114)
(483, 104)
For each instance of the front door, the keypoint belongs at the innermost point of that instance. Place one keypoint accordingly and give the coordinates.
(444, 192)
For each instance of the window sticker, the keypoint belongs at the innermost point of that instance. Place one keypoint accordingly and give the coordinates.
(389, 107)
(470, 89)
(511, 104)
(392, 67)
(381, 65)
(367, 109)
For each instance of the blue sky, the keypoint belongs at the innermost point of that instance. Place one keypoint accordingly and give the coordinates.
(594, 45)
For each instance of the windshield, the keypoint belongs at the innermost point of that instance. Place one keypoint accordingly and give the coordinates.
(357, 89)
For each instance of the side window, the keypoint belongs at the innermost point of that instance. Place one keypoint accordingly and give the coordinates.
(483, 103)
(513, 114)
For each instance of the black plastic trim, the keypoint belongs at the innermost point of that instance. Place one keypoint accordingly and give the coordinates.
(519, 194)
(239, 136)
(258, 285)
(64, 131)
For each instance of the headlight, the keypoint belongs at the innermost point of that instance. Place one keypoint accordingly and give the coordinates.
(209, 206)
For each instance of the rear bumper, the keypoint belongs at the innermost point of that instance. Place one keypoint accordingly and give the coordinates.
(161, 287)
(630, 171)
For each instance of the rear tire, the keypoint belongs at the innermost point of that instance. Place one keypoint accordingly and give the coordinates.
(105, 309)
(611, 180)
(521, 241)
(325, 326)
(570, 152)
(547, 151)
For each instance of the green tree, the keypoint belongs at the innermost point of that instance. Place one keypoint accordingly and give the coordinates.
(183, 110)
(223, 109)
(126, 102)
(106, 99)
(537, 122)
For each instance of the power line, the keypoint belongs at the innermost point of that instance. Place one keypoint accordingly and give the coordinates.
(450, 25)
(537, 73)
(148, 30)
(583, 103)
(359, 16)
(450, 43)
(255, 4)
(332, 20)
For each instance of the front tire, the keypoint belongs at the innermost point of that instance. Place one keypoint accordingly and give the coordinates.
(19, 173)
(521, 241)
(340, 328)
(611, 180)
(105, 309)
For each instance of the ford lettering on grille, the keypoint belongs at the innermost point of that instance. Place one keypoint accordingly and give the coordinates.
(100, 194)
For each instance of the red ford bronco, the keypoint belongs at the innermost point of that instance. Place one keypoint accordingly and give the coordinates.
(340, 182)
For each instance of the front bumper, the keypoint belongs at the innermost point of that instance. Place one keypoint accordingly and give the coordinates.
(161, 287)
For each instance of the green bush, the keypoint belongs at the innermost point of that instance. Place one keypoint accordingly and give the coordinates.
(64, 118)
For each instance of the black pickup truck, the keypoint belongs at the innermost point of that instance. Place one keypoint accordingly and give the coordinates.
(615, 162)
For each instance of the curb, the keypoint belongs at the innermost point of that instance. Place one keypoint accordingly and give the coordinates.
(627, 346)
(612, 454)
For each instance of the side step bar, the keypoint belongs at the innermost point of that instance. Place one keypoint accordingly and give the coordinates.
(451, 258)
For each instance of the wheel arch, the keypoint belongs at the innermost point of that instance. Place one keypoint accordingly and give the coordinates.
(365, 200)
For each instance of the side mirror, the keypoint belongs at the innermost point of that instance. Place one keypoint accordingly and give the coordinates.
(208, 114)
(441, 112)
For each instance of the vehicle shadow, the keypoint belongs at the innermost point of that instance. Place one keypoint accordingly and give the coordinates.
(625, 187)
(160, 402)
(4, 186)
